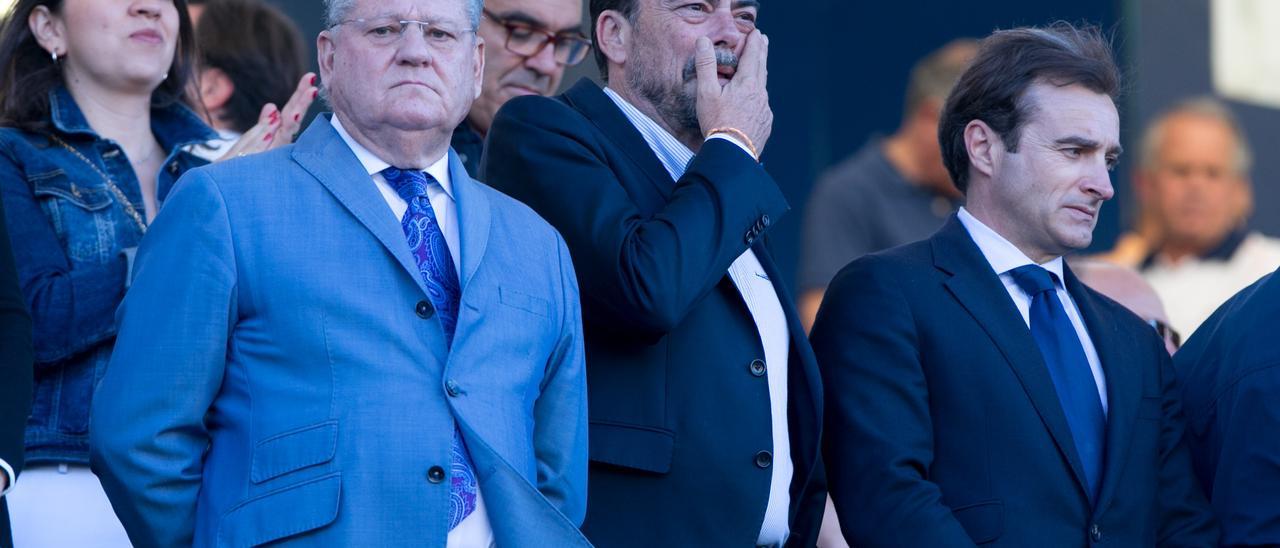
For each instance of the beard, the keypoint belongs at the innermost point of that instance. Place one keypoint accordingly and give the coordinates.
(676, 102)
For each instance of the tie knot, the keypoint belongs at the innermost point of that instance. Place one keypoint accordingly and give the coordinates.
(1033, 279)
(408, 183)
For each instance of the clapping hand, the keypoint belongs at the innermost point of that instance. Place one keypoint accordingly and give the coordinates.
(276, 127)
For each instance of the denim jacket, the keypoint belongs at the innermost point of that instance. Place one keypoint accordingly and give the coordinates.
(72, 238)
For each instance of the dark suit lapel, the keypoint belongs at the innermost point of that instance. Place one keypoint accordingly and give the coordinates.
(980, 291)
(1123, 382)
(590, 100)
(322, 152)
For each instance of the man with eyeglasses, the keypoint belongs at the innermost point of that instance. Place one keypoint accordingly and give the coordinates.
(349, 341)
(705, 399)
(528, 46)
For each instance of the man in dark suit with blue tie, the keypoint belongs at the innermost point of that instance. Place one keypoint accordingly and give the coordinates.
(1231, 378)
(704, 398)
(978, 392)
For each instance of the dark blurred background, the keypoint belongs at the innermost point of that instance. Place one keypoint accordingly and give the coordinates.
(838, 72)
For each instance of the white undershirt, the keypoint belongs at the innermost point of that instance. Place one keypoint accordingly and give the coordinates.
(1004, 257)
(474, 531)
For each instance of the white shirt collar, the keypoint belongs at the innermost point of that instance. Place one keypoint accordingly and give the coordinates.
(673, 154)
(1000, 253)
(374, 165)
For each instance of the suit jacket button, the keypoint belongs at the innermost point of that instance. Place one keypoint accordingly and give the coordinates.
(1095, 533)
(425, 310)
(749, 237)
(764, 459)
(757, 368)
(435, 474)
(452, 388)
(765, 220)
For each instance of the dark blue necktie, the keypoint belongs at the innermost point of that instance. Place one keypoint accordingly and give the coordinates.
(1068, 367)
(435, 265)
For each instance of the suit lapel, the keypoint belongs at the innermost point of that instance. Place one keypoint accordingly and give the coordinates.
(321, 151)
(981, 292)
(1122, 378)
(473, 220)
(590, 100)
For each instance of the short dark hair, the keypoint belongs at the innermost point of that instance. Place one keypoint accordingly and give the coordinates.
(259, 48)
(993, 89)
(28, 73)
(627, 8)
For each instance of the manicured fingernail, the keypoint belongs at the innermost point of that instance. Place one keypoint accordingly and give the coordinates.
(275, 117)
(297, 116)
(315, 93)
(268, 138)
(313, 79)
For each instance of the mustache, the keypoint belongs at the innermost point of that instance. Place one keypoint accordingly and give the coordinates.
(724, 58)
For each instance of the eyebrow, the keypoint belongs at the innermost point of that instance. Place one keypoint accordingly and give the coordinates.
(522, 17)
(1085, 142)
(737, 4)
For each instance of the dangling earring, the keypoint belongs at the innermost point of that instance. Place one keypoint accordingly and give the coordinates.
(54, 54)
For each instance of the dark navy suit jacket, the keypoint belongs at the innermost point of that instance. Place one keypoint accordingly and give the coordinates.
(1231, 391)
(16, 368)
(679, 415)
(944, 428)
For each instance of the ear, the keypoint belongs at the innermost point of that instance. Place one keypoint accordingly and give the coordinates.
(1246, 198)
(613, 36)
(326, 50)
(986, 149)
(479, 67)
(216, 88)
(49, 30)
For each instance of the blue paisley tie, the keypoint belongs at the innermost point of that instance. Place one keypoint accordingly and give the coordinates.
(431, 252)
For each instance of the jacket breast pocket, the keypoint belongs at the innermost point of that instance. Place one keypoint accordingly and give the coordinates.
(81, 216)
(524, 301)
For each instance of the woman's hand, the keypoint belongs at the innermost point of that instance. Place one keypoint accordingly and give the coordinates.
(277, 127)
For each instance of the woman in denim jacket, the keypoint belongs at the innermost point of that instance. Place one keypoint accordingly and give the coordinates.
(95, 133)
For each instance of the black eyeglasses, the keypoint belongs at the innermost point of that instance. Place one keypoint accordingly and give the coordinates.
(1166, 332)
(527, 40)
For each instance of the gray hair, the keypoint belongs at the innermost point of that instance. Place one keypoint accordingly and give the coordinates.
(335, 11)
(935, 75)
(1203, 107)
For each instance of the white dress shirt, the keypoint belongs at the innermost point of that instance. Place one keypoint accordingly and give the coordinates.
(1004, 257)
(474, 531)
(762, 301)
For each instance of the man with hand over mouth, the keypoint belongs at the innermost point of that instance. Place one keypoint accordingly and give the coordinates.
(704, 398)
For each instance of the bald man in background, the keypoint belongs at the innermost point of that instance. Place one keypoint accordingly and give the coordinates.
(1126, 286)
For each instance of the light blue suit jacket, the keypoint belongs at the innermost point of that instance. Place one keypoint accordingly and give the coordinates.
(275, 379)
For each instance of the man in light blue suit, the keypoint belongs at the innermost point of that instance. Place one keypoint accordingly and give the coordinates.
(348, 341)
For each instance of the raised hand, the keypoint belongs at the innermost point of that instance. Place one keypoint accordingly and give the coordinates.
(743, 102)
(277, 127)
